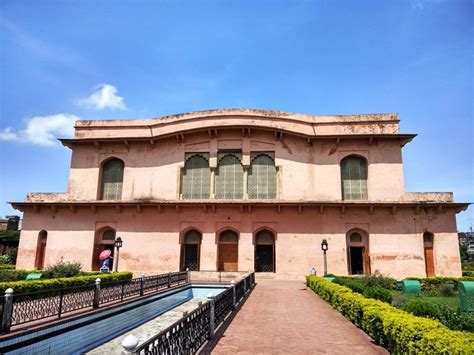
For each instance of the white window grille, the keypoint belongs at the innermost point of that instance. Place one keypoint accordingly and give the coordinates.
(229, 178)
(112, 180)
(262, 181)
(196, 178)
(354, 178)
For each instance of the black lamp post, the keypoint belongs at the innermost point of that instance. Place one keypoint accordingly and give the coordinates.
(324, 248)
(118, 245)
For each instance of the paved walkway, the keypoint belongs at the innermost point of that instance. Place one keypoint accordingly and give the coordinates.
(287, 317)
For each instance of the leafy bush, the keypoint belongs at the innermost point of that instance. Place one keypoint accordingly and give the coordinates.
(13, 275)
(422, 308)
(5, 259)
(353, 285)
(378, 293)
(456, 319)
(62, 269)
(378, 280)
(43, 285)
(398, 331)
(468, 266)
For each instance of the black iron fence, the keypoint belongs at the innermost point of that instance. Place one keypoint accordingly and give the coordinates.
(35, 306)
(189, 333)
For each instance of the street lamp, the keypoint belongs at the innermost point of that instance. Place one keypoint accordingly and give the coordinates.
(118, 245)
(324, 248)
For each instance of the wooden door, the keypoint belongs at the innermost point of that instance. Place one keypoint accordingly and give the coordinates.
(40, 255)
(228, 257)
(429, 262)
(366, 262)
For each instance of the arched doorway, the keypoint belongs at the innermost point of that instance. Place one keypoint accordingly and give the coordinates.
(358, 253)
(190, 251)
(41, 249)
(264, 251)
(428, 248)
(228, 251)
(105, 240)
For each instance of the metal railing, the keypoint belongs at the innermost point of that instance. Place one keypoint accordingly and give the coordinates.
(189, 333)
(35, 306)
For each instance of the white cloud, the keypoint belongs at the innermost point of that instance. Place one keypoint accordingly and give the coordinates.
(42, 130)
(104, 96)
(8, 135)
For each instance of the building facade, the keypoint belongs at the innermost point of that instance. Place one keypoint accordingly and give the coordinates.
(240, 190)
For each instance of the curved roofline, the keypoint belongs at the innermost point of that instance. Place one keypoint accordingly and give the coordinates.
(304, 118)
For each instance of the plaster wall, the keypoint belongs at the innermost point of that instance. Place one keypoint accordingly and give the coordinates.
(306, 172)
(151, 240)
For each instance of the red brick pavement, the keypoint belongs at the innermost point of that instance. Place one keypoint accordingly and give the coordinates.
(286, 317)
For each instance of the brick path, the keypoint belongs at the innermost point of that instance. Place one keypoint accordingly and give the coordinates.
(285, 317)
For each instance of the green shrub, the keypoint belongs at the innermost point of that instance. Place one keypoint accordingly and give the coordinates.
(5, 259)
(353, 285)
(378, 293)
(378, 280)
(62, 269)
(13, 275)
(51, 284)
(398, 331)
(422, 308)
(456, 319)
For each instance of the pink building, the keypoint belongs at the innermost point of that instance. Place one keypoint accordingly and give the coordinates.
(243, 190)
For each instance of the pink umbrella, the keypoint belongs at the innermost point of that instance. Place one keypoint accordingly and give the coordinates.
(105, 254)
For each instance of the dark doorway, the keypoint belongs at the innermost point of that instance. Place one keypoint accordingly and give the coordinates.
(41, 249)
(264, 258)
(190, 251)
(357, 260)
(191, 257)
(264, 251)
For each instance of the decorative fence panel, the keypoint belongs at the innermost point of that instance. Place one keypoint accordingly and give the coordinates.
(187, 335)
(183, 337)
(223, 305)
(40, 305)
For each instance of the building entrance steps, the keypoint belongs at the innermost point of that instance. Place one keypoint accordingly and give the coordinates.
(286, 317)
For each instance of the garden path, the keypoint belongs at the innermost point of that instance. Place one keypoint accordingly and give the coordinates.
(287, 317)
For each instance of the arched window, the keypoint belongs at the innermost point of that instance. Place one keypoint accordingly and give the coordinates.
(229, 178)
(354, 178)
(112, 180)
(196, 178)
(262, 178)
(41, 249)
(190, 251)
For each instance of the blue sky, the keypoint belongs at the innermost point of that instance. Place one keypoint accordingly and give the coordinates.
(62, 60)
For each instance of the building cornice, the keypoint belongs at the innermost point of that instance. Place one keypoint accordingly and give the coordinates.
(370, 138)
(245, 205)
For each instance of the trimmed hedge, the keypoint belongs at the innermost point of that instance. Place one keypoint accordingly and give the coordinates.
(64, 282)
(7, 267)
(394, 329)
(434, 283)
